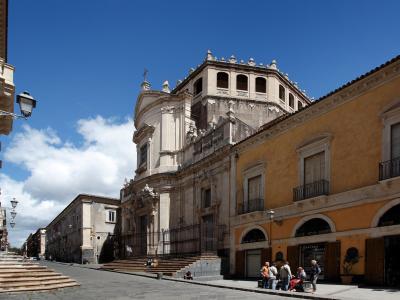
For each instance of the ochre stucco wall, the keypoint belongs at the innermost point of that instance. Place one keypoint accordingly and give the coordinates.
(356, 128)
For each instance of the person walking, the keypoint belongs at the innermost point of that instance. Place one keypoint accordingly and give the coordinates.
(273, 272)
(315, 271)
(285, 275)
(265, 274)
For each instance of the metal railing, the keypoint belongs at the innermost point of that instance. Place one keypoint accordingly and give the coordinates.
(250, 206)
(310, 190)
(193, 239)
(389, 169)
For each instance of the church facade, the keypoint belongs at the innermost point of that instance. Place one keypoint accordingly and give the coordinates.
(180, 201)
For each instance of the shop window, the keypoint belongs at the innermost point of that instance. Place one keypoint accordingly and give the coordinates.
(222, 80)
(282, 93)
(198, 86)
(313, 227)
(391, 217)
(261, 85)
(241, 82)
(253, 236)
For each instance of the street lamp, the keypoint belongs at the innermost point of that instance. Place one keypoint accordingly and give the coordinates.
(12, 223)
(270, 214)
(13, 214)
(26, 104)
(14, 203)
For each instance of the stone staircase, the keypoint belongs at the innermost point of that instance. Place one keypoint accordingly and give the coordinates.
(20, 275)
(174, 267)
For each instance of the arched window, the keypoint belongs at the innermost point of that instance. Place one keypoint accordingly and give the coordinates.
(291, 100)
(198, 86)
(222, 80)
(241, 82)
(299, 105)
(281, 93)
(391, 217)
(253, 236)
(261, 85)
(313, 227)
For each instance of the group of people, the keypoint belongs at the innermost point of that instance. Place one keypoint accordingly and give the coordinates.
(287, 281)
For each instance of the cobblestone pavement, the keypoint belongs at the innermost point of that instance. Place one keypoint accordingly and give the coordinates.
(101, 285)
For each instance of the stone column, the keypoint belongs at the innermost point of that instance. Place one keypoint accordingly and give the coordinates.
(87, 242)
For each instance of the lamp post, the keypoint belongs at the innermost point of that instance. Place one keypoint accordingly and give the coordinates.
(26, 104)
(270, 215)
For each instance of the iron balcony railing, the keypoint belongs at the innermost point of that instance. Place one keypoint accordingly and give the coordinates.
(389, 169)
(250, 206)
(310, 190)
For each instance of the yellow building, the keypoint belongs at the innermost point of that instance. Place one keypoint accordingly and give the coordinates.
(330, 174)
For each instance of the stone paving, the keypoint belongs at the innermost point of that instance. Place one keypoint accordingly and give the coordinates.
(99, 285)
(96, 284)
(337, 291)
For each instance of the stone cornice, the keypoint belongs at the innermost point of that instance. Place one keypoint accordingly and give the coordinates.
(163, 97)
(241, 67)
(333, 100)
(145, 130)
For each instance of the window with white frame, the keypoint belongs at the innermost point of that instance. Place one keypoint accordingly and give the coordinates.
(253, 187)
(314, 168)
(111, 216)
(389, 167)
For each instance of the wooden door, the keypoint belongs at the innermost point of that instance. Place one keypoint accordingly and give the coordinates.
(374, 261)
(293, 256)
(266, 255)
(239, 266)
(332, 261)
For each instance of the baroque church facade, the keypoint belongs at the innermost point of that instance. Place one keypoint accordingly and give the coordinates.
(180, 200)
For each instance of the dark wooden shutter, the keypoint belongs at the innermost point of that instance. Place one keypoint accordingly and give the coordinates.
(332, 261)
(293, 257)
(266, 255)
(374, 261)
(239, 268)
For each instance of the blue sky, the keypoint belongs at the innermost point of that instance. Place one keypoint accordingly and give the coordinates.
(83, 60)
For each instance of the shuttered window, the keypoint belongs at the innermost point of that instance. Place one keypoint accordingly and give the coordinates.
(314, 168)
(254, 188)
(395, 141)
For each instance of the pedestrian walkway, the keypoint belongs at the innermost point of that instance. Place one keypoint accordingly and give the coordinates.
(328, 291)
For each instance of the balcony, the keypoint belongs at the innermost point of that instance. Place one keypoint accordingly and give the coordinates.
(251, 206)
(310, 190)
(389, 169)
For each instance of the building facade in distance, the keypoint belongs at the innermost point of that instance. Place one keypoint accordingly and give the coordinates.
(178, 201)
(3, 229)
(84, 232)
(36, 244)
(330, 173)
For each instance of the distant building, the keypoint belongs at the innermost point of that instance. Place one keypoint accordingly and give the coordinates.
(36, 244)
(84, 231)
(3, 229)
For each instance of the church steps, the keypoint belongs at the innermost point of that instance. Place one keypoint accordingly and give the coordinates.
(38, 288)
(19, 275)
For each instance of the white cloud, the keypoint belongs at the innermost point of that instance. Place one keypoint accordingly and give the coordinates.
(60, 170)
